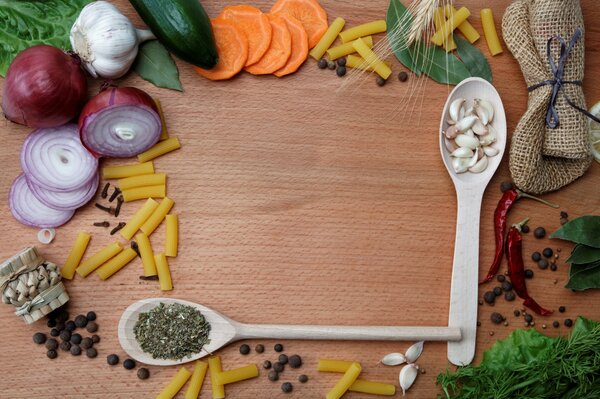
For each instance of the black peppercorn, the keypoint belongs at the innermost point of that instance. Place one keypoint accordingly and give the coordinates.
(555, 324)
(562, 309)
(278, 348)
(63, 315)
(91, 316)
(65, 335)
(525, 229)
(112, 359)
(75, 350)
(91, 327)
(76, 339)
(497, 318)
(65, 346)
(322, 64)
(51, 344)
(51, 323)
(507, 286)
(553, 267)
(489, 297)
(283, 359)
(52, 354)
(295, 361)
(91, 353)
(278, 367)
(568, 322)
(95, 338)
(273, 375)
(340, 71)
(129, 364)
(517, 313)
(403, 76)
(54, 332)
(501, 278)
(543, 264)
(540, 232)
(143, 373)
(260, 348)
(39, 338)
(548, 252)
(528, 318)
(528, 273)
(86, 343)
(244, 349)
(331, 65)
(341, 62)
(510, 296)
(60, 325)
(81, 321)
(303, 378)
(497, 291)
(267, 364)
(70, 326)
(287, 387)
(380, 81)
(536, 256)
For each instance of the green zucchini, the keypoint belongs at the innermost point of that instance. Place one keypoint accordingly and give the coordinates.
(183, 27)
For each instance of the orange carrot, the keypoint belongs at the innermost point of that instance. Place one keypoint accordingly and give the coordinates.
(309, 12)
(279, 51)
(254, 25)
(232, 47)
(299, 45)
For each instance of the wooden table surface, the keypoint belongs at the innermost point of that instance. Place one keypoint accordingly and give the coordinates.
(304, 203)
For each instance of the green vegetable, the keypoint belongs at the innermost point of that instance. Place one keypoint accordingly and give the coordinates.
(584, 276)
(473, 59)
(154, 64)
(27, 23)
(583, 230)
(584, 254)
(529, 364)
(183, 27)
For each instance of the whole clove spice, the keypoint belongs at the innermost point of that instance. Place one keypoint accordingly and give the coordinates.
(120, 201)
(135, 247)
(149, 278)
(102, 224)
(104, 192)
(114, 194)
(107, 209)
(117, 228)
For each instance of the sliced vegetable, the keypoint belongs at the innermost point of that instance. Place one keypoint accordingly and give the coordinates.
(28, 210)
(370, 28)
(66, 200)
(309, 12)
(279, 50)
(254, 25)
(183, 27)
(232, 46)
(328, 38)
(44, 87)
(299, 45)
(55, 159)
(120, 122)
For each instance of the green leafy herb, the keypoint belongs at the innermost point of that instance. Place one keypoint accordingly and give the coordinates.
(473, 59)
(584, 276)
(27, 23)
(529, 364)
(154, 64)
(583, 230)
(584, 254)
(399, 20)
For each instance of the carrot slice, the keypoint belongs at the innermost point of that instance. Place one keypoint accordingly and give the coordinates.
(232, 47)
(279, 51)
(299, 45)
(254, 25)
(309, 12)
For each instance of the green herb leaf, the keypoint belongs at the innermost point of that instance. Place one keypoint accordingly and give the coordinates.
(583, 230)
(473, 59)
(585, 276)
(584, 254)
(154, 64)
(24, 24)
(398, 20)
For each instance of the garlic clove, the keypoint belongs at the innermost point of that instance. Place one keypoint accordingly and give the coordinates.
(474, 158)
(487, 139)
(450, 122)
(489, 108)
(413, 353)
(469, 133)
(462, 152)
(393, 359)
(470, 111)
(451, 132)
(479, 128)
(480, 166)
(466, 123)
(408, 375)
(490, 151)
(482, 114)
(463, 140)
(450, 144)
(455, 108)
(460, 165)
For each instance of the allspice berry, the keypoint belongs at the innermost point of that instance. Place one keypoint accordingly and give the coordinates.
(143, 373)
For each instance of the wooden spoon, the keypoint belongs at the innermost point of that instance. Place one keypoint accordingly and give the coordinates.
(225, 331)
(469, 192)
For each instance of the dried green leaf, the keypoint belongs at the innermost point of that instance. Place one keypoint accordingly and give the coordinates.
(473, 59)
(585, 276)
(398, 20)
(583, 230)
(584, 254)
(154, 64)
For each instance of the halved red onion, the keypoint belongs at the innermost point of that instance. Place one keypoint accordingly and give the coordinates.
(120, 122)
(55, 159)
(28, 210)
(66, 200)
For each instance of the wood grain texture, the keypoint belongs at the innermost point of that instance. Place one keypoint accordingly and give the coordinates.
(306, 204)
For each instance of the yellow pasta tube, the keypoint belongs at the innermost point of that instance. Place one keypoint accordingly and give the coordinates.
(146, 254)
(172, 236)
(239, 374)
(175, 385)
(155, 179)
(197, 380)
(138, 219)
(81, 244)
(345, 382)
(333, 366)
(371, 59)
(157, 216)
(138, 193)
(467, 30)
(218, 390)
(489, 31)
(367, 29)
(328, 38)
(100, 257)
(373, 388)
(162, 148)
(449, 25)
(438, 20)
(344, 49)
(164, 274)
(119, 172)
(164, 133)
(116, 263)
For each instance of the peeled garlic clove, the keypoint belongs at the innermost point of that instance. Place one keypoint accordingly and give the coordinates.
(408, 375)
(482, 114)
(462, 152)
(450, 122)
(393, 359)
(451, 132)
(466, 123)
(490, 151)
(479, 128)
(469, 133)
(450, 145)
(413, 353)
(470, 111)
(463, 140)
(460, 165)
(480, 166)
(489, 108)
(474, 158)
(455, 108)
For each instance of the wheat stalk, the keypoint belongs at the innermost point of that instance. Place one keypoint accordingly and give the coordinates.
(423, 12)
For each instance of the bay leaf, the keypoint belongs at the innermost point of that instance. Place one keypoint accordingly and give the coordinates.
(398, 21)
(473, 59)
(154, 64)
(583, 254)
(583, 230)
(583, 277)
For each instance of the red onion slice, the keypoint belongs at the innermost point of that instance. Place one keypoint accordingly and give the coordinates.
(55, 159)
(28, 210)
(66, 200)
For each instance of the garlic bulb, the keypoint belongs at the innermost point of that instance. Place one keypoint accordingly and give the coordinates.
(106, 40)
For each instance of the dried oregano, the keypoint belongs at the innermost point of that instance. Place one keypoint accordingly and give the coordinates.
(172, 331)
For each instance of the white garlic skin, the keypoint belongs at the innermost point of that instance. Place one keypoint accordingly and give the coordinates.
(413, 353)
(106, 40)
(408, 375)
(393, 359)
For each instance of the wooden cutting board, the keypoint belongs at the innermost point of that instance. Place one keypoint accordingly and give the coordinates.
(300, 202)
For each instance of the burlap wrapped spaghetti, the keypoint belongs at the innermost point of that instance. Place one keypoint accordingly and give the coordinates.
(544, 159)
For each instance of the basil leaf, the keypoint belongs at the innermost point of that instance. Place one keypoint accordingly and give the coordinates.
(24, 24)
(473, 59)
(583, 277)
(583, 230)
(584, 254)
(154, 64)
(399, 20)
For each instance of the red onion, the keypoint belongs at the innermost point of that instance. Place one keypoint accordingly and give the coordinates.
(44, 87)
(66, 200)
(120, 122)
(26, 208)
(55, 159)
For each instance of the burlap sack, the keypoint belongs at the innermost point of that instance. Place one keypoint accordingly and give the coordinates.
(544, 159)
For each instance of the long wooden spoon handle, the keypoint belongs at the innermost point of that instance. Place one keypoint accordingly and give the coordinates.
(251, 331)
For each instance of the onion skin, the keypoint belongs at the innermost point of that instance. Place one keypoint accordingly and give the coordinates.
(44, 87)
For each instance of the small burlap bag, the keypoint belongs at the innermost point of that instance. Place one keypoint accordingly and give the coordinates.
(544, 157)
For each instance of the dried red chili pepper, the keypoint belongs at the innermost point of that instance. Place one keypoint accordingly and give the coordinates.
(516, 269)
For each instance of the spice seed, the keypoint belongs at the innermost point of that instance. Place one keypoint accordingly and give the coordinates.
(112, 359)
(322, 64)
(528, 273)
(331, 65)
(143, 373)
(555, 324)
(548, 252)
(489, 297)
(510, 296)
(506, 324)
(517, 313)
(568, 322)
(51, 344)
(95, 338)
(536, 256)
(86, 343)
(544, 326)
(553, 267)
(51, 323)
(70, 326)
(562, 309)
(244, 349)
(528, 318)
(497, 291)
(75, 350)
(91, 353)
(278, 367)
(380, 81)
(303, 378)
(39, 338)
(52, 354)
(91, 327)
(403, 76)
(295, 361)
(539, 232)
(267, 364)
(340, 71)
(491, 333)
(65, 346)
(273, 375)
(278, 348)
(497, 318)
(507, 286)
(91, 315)
(260, 348)
(341, 62)
(54, 332)
(525, 229)
(129, 364)
(283, 359)
(543, 264)
(501, 278)
(287, 387)
(81, 321)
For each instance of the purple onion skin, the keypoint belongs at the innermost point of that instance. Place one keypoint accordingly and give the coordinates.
(44, 87)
